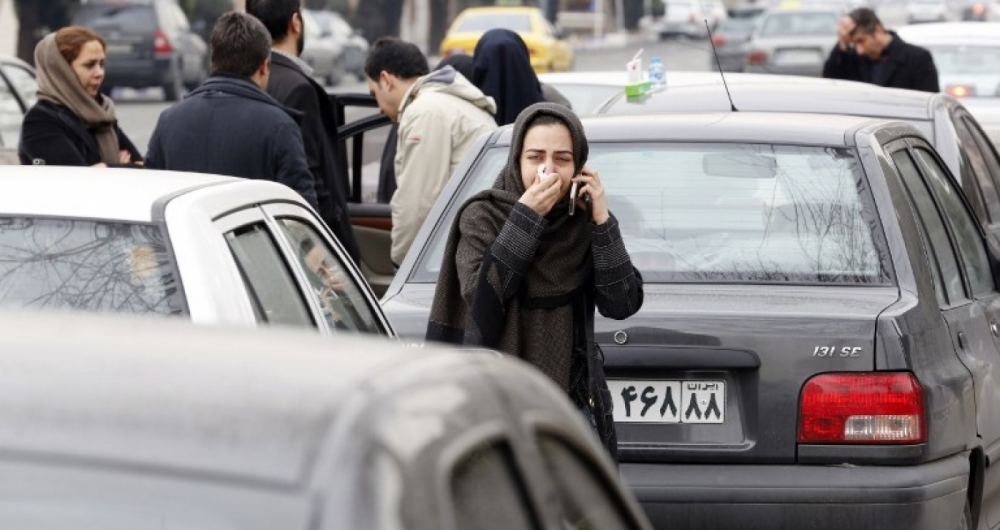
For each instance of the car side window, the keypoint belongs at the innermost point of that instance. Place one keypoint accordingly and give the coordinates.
(940, 254)
(24, 83)
(268, 281)
(488, 492)
(988, 151)
(980, 177)
(344, 304)
(975, 261)
(588, 500)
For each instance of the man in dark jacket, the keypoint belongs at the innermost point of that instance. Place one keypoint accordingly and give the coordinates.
(229, 125)
(292, 86)
(866, 52)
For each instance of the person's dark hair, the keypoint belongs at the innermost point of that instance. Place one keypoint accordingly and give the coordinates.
(240, 44)
(398, 57)
(276, 15)
(865, 21)
(460, 62)
(70, 41)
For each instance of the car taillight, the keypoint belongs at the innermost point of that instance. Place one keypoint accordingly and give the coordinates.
(718, 41)
(756, 57)
(960, 91)
(161, 44)
(862, 408)
(978, 9)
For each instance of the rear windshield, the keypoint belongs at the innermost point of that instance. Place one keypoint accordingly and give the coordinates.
(125, 18)
(782, 24)
(976, 67)
(703, 213)
(486, 22)
(86, 265)
(737, 25)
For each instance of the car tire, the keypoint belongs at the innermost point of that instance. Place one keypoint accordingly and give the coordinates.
(174, 89)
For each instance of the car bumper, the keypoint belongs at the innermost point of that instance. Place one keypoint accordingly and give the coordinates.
(716, 497)
(137, 73)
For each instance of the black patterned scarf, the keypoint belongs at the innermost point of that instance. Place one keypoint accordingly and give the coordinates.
(539, 323)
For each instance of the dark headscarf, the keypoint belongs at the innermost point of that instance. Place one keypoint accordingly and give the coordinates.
(536, 325)
(461, 62)
(503, 71)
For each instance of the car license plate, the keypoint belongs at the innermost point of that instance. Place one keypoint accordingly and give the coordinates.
(668, 401)
(791, 57)
(119, 49)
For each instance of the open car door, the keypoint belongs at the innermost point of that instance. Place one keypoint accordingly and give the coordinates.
(356, 158)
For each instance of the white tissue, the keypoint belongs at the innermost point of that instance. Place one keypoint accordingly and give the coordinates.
(542, 175)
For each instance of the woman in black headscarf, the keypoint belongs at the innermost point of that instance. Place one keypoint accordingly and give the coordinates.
(502, 70)
(522, 272)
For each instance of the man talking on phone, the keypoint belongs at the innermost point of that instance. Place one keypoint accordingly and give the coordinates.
(866, 52)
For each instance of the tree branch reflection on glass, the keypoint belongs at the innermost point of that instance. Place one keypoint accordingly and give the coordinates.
(86, 265)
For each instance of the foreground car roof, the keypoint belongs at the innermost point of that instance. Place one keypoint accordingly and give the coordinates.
(748, 127)
(103, 193)
(152, 392)
(775, 93)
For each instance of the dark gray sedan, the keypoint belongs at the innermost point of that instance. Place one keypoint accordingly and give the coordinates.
(818, 343)
(113, 425)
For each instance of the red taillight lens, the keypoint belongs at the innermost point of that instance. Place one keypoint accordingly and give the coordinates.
(978, 9)
(718, 41)
(960, 91)
(161, 44)
(862, 408)
(756, 57)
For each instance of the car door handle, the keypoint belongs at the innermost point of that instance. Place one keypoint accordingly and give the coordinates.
(961, 340)
(995, 329)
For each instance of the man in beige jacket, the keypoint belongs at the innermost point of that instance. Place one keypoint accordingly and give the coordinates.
(440, 114)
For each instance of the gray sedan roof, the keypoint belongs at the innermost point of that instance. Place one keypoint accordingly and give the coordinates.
(782, 94)
(743, 127)
(236, 404)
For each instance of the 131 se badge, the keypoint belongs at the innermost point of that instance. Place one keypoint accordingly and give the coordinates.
(833, 351)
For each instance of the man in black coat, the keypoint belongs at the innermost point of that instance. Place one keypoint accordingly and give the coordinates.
(229, 125)
(866, 52)
(292, 86)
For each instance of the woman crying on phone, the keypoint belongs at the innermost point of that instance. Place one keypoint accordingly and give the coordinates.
(528, 260)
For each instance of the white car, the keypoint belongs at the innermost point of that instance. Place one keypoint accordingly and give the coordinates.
(966, 54)
(216, 250)
(926, 11)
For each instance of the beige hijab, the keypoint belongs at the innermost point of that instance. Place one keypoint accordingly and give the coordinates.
(58, 83)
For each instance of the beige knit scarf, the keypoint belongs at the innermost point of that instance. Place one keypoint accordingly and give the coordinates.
(58, 83)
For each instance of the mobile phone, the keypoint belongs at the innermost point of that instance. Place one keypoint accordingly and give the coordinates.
(572, 198)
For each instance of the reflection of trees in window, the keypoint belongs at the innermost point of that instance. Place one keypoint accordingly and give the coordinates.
(87, 265)
(824, 213)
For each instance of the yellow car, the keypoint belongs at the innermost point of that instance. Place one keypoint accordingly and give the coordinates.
(548, 48)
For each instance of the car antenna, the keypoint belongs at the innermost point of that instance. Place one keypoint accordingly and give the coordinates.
(718, 63)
